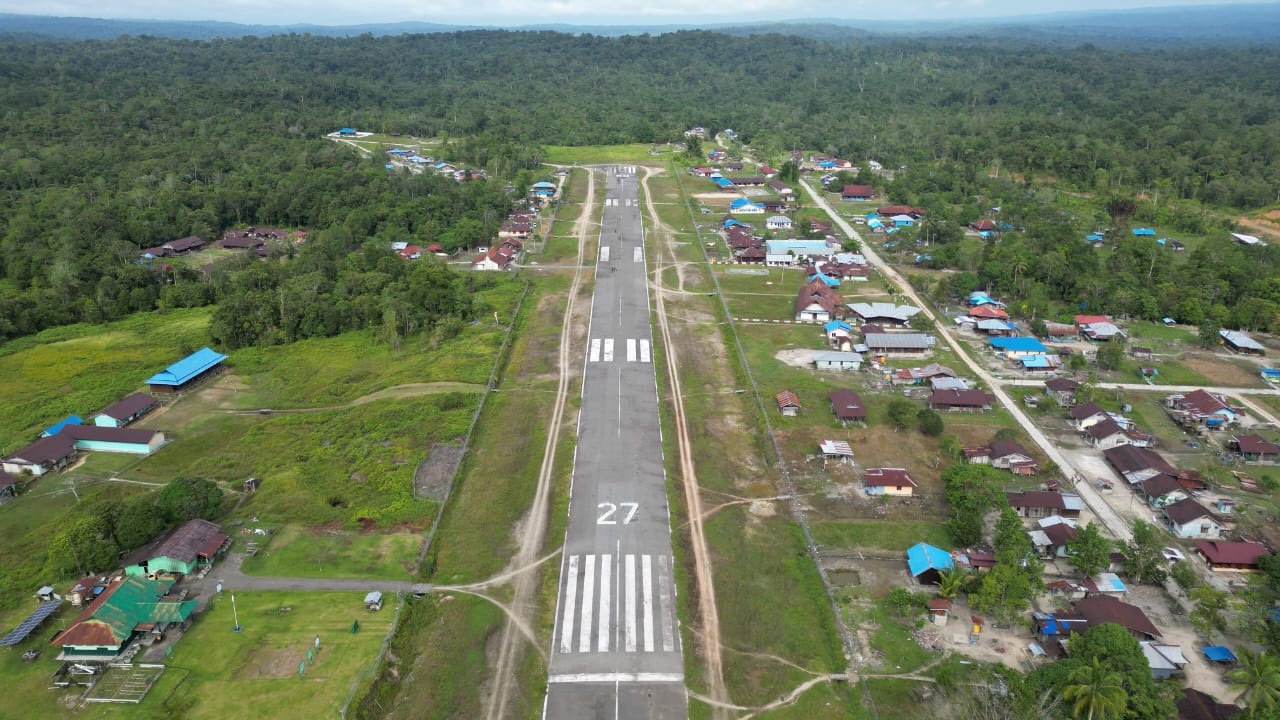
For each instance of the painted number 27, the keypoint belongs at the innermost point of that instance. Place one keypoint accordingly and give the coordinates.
(608, 510)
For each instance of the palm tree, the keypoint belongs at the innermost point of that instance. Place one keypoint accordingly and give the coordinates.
(1095, 692)
(949, 583)
(1258, 678)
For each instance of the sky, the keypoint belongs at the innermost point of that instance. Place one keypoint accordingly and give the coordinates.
(580, 12)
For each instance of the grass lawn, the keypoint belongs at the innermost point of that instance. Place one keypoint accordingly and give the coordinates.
(437, 663)
(341, 466)
(254, 673)
(596, 154)
(892, 637)
(894, 536)
(825, 700)
(300, 552)
(79, 369)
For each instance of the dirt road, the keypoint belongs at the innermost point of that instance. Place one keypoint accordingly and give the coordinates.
(534, 527)
(709, 617)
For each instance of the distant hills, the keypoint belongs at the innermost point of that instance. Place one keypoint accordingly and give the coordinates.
(1251, 24)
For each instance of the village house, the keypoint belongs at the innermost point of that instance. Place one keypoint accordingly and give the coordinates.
(183, 549)
(181, 246)
(839, 334)
(837, 360)
(1013, 348)
(744, 206)
(921, 375)
(187, 372)
(848, 407)
(45, 455)
(495, 258)
(1137, 465)
(1202, 408)
(1162, 491)
(1106, 434)
(886, 344)
(788, 403)
(889, 481)
(1255, 448)
(1189, 519)
(1060, 332)
(785, 191)
(1086, 414)
(857, 192)
(1052, 536)
(884, 314)
(1196, 705)
(1224, 556)
(1241, 343)
(125, 609)
(960, 400)
(1002, 455)
(1106, 609)
(778, 222)
(1062, 390)
(817, 302)
(1037, 504)
(987, 312)
(926, 563)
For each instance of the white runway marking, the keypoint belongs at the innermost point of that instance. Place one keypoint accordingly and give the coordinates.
(608, 350)
(644, 351)
(631, 349)
(588, 593)
(629, 635)
(606, 570)
(617, 678)
(595, 350)
(604, 253)
(664, 605)
(570, 609)
(646, 600)
(637, 254)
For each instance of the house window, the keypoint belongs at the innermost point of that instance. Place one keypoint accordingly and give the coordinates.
(1204, 529)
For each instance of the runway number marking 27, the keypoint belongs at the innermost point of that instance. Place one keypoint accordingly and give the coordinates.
(608, 510)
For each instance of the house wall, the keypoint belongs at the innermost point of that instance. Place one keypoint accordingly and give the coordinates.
(120, 447)
(92, 650)
(1109, 442)
(838, 365)
(890, 490)
(161, 564)
(1193, 530)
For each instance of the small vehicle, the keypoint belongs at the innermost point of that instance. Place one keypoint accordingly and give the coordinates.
(1173, 554)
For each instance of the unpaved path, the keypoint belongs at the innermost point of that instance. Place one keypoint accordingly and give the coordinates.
(533, 529)
(407, 390)
(708, 613)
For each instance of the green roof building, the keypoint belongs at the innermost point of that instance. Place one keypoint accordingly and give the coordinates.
(124, 609)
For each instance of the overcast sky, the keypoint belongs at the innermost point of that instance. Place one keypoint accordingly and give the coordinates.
(530, 12)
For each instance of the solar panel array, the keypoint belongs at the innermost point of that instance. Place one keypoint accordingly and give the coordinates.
(33, 621)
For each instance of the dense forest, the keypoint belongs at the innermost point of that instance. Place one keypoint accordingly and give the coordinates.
(110, 146)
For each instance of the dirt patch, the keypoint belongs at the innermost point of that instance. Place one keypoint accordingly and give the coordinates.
(1220, 370)
(798, 357)
(269, 662)
(434, 476)
(763, 508)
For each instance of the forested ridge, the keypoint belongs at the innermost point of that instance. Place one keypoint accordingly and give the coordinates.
(109, 146)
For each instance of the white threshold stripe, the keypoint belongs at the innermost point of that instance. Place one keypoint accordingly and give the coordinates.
(629, 635)
(570, 606)
(588, 594)
(604, 253)
(617, 678)
(595, 350)
(637, 254)
(631, 349)
(606, 570)
(608, 350)
(646, 600)
(644, 351)
(664, 605)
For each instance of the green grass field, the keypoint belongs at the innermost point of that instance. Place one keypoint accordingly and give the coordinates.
(596, 154)
(254, 673)
(320, 553)
(341, 466)
(79, 369)
(875, 535)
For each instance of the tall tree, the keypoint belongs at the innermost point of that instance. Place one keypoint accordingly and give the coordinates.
(1095, 692)
(1090, 553)
(1258, 680)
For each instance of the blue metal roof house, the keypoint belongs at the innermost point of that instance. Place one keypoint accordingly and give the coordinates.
(347, 131)
(1144, 232)
(57, 427)
(927, 562)
(743, 205)
(1013, 347)
(186, 372)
